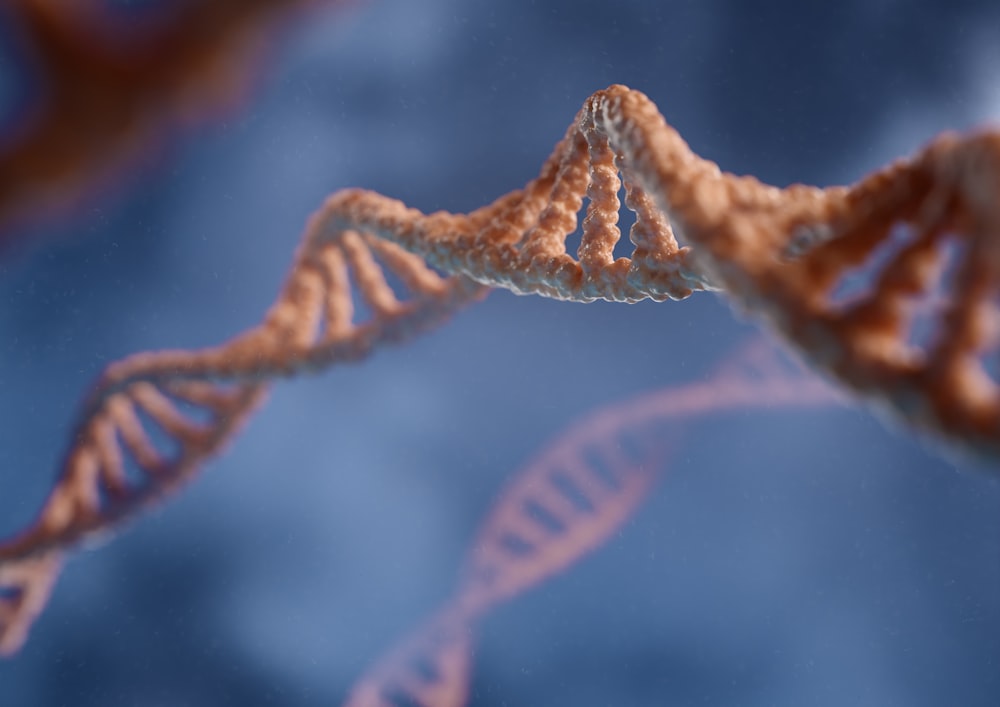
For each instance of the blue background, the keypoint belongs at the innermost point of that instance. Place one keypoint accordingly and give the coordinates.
(807, 559)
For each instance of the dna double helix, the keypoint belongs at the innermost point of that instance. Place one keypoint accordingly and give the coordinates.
(888, 286)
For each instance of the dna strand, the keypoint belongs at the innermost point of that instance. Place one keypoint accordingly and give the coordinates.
(569, 499)
(888, 286)
(155, 418)
(917, 337)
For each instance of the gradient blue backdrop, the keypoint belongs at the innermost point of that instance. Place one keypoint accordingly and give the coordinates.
(804, 559)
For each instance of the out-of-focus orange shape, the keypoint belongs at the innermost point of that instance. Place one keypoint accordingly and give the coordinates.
(112, 89)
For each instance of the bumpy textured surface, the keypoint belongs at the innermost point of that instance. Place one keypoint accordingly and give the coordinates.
(154, 418)
(890, 286)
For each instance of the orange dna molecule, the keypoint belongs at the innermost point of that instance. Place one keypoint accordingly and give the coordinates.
(888, 287)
